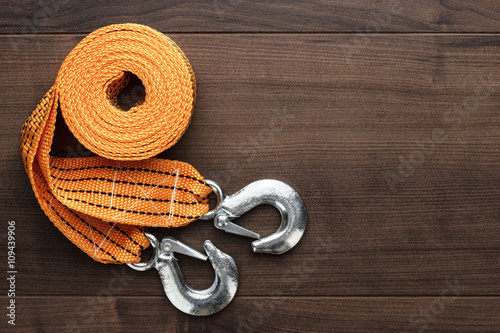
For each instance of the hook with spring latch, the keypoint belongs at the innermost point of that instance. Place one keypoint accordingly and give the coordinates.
(265, 191)
(221, 292)
(183, 297)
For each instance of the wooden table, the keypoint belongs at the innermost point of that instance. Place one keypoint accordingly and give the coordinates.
(383, 115)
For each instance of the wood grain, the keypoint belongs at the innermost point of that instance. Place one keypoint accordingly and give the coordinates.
(359, 16)
(255, 314)
(392, 139)
(336, 131)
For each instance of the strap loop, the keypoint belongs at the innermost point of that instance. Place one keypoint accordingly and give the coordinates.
(101, 203)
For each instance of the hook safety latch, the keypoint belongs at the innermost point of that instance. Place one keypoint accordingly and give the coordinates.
(188, 300)
(266, 191)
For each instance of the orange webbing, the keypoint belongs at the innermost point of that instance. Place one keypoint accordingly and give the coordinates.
(101, 203)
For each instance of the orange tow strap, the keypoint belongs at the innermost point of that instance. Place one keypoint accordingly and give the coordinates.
(102, 203)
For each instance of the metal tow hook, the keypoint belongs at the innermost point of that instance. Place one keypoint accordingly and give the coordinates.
(188, 300)
(266, 191)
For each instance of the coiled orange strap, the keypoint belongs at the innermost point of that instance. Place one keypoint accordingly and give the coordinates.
(102, 203)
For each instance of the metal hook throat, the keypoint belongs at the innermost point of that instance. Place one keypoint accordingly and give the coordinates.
(189, 300)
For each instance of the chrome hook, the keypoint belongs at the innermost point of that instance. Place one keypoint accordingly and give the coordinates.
(188, 300)
(265, 191)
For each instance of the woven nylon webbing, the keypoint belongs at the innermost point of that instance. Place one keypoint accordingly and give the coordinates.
(102, 203)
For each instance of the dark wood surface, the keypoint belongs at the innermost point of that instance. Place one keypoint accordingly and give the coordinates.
(384, 117)
(72, 16)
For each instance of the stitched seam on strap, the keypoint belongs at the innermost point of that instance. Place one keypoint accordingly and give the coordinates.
(127, 196)
(132, 211)
(131, 169)
(80, 233)
(101, 233)
(127, 182)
